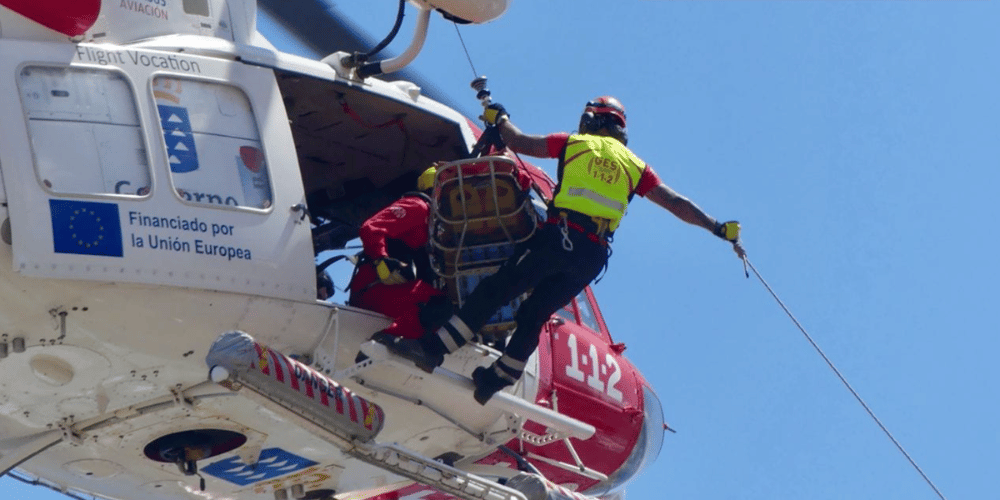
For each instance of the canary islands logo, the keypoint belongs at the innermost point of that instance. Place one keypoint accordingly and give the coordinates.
(273, 462)
(179, 136)
(86, 228)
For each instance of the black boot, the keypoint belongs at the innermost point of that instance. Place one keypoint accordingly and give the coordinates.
(433, 353)
(488, 383)
(424, 354)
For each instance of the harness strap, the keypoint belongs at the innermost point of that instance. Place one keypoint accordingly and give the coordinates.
(565, 222)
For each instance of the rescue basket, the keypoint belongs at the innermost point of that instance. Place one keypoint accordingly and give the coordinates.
(480, 209)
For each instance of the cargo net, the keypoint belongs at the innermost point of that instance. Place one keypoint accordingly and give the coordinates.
(480, 209)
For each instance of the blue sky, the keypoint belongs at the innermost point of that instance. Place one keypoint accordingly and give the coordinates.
(857, 142)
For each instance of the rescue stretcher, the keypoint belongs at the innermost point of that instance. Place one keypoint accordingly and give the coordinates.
(480, 209)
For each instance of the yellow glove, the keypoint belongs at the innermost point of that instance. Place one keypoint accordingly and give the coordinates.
(729, 231)
(494, 114)
(388, 270)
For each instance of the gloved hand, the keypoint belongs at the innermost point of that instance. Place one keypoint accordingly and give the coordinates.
(494, 114)
(390, 271)
(729, 231)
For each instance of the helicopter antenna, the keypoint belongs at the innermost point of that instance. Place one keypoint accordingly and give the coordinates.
(357, 58)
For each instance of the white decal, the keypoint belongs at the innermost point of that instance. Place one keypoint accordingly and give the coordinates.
(573, 370)
(616, 376)
(154, 239)
(597, 369)
(106, 57)
(594, 380)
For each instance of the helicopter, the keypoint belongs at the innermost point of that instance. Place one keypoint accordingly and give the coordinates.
(169, 180)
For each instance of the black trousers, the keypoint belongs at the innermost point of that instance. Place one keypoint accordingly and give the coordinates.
(556, 274)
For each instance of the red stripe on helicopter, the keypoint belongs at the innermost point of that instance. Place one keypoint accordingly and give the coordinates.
(309, 381)
(346, 403)
(354, 411)
(340, 402)
(293, 379)
(69, 17)
(278, 372)
(324, 398)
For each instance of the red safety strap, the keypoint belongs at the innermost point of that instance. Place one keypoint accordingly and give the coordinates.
(572, 225)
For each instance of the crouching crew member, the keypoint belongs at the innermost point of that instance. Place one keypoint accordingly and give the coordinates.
(395, 243)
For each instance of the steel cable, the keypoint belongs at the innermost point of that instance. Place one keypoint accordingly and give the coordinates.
(844, 380)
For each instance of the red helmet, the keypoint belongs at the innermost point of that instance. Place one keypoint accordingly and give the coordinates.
(607, 105)
(604, 115)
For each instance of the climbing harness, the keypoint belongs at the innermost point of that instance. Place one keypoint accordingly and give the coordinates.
(747, 263)
(594, 228)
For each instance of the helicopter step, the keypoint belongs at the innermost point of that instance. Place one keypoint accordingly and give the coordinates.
(559, 426)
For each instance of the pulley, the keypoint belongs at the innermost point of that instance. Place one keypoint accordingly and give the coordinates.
(482, 93)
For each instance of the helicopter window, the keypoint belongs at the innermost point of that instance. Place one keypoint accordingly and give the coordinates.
(213, 144)
(84, 131)
(587, 317)
(567, 312)
(196, 7)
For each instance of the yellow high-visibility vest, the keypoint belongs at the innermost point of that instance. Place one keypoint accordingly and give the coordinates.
(598, 176)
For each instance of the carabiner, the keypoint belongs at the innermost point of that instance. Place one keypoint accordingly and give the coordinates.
(564, 228)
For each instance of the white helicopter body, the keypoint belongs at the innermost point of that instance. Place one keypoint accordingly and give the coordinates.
(163, 168)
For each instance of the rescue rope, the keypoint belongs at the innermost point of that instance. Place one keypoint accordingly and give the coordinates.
(746, 262)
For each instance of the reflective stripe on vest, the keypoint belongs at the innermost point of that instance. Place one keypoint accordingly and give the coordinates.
(597, 198)
(599, 175)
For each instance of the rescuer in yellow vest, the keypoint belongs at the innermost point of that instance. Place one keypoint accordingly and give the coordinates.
(598, 175)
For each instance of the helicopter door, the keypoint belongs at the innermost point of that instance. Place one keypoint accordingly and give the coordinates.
(152, 167)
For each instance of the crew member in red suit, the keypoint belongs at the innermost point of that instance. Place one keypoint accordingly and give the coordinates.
(395, 241)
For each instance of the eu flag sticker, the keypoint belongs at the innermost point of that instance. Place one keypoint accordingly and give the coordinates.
(273, 462)
(86, 228)
(179, 136)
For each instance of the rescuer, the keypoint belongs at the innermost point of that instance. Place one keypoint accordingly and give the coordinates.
(598, 175)
(395, 241)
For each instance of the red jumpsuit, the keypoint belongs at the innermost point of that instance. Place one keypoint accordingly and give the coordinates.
(406, 222)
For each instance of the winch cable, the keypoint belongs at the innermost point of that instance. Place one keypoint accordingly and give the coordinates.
(466, 49)
(746, 262)
(476, 75)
